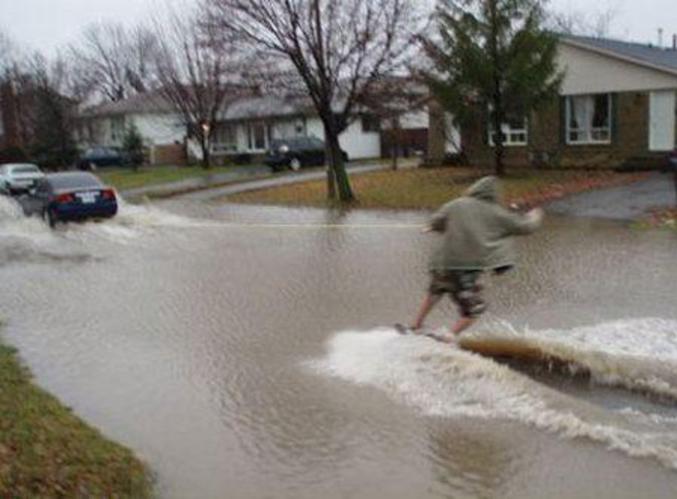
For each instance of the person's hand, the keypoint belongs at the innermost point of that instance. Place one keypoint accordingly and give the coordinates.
(537, 214)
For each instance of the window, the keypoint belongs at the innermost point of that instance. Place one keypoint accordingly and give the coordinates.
(514, 132)
(588, 119)
(371, 123)
(117, 129)
(225, 138)
(257, 137)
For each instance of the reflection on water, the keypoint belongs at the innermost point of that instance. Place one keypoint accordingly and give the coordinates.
(216, 342)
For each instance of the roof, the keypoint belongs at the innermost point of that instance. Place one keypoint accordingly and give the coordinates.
(265, 107)
(664, 59)
(243, 106)
(148, 102)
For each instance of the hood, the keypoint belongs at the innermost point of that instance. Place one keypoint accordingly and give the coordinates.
(485, 189)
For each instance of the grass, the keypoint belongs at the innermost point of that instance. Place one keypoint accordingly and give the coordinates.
(430, 188)
(46, 451)
(126, 178)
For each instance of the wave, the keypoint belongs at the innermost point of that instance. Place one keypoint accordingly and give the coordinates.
(131, 222)
(442, 380)
(637, 354)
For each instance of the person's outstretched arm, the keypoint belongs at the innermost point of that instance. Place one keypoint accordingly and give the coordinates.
(519, 224)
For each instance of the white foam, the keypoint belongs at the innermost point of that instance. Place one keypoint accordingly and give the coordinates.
(140, 216)
(131, 222)
(441, 380)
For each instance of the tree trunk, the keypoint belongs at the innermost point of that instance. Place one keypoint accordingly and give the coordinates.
(331, 178)
(395, 142)
(498, 111)
(499, 147)
(206, 156)
(337, 169)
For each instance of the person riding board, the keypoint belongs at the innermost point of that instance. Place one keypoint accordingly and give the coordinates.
(476, 236)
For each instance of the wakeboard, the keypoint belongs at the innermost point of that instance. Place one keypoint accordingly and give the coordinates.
(447, 338)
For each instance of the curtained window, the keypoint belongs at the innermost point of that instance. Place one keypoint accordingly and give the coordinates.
(589, 119)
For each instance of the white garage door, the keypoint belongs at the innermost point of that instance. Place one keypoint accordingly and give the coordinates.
(662, 121)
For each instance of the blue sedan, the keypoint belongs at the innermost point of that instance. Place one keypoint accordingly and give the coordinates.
(61, 197)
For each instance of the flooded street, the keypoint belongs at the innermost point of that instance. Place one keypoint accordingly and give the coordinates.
(247, 352)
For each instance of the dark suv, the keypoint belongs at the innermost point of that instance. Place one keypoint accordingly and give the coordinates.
(297, 152)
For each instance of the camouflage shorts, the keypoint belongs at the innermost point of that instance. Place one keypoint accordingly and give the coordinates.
(463, 288)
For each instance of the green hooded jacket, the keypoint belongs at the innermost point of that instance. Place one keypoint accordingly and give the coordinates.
(477, 231)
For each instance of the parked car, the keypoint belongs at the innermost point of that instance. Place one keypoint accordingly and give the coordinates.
(102, 156)
(61, 197)
(297, 152)
(18, 177)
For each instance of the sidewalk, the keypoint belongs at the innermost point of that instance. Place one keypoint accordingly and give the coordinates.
(170, 189)
(241, 179)
(279, 180)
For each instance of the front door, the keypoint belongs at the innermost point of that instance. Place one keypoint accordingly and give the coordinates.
(662, 121)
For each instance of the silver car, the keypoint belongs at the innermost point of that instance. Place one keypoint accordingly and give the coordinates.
(18, 177)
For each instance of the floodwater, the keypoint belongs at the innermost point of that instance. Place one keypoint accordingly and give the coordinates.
(246, 352)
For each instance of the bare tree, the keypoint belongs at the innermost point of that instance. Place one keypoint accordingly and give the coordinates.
(339, 49)
(115, 60)
(197, 74)
(576, 22)
(7, 52)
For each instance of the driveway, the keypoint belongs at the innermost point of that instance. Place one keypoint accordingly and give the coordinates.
(626, 202)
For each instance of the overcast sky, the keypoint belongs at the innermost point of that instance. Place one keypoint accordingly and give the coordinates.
(49, 24)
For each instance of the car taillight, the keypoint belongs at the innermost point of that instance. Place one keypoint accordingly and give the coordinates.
(108, 194)
(65, 198)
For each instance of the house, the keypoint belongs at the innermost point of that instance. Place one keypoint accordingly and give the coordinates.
(163, 130)
(245, 129)
(616, 108)
(249, 125)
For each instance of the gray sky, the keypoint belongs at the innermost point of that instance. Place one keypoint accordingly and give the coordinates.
(48, 24)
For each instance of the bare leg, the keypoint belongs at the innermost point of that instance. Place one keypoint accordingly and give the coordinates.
(462, 324)
(428, 304)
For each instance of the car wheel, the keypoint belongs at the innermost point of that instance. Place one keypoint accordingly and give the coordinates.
(295, 164)
(49, 216)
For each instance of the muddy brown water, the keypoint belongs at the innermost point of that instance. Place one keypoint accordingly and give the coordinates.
(245, 352)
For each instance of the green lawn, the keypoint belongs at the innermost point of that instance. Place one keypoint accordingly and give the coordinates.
(47, 451)
(429, 188)
(126, 178)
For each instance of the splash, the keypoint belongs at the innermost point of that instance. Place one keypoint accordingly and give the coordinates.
(131, 222)
(440, 380)
(638, 354)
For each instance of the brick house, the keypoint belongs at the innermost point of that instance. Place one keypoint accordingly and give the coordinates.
(616, 108)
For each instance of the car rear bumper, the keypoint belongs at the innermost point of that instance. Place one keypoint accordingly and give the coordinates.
(276, 161)
(82, 212)
(21, 185)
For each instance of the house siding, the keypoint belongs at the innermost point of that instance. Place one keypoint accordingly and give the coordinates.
(547, 143)
(358, 143)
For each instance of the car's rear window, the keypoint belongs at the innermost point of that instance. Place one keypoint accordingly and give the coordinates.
(74, 181)
(25, 169)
